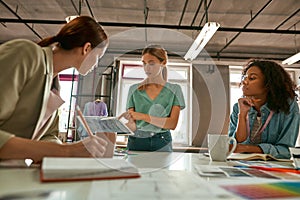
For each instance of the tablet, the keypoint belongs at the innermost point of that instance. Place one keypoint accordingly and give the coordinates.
(107, 124)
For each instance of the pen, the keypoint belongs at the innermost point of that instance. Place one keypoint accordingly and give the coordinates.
(275, 169)
(82, 119)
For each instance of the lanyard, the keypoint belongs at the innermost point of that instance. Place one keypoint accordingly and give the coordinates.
(263, 128)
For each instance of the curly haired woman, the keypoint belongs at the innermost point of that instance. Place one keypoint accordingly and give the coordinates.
(266, 119)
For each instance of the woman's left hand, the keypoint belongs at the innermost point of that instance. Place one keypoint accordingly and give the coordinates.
(245, 148)
(130, 120)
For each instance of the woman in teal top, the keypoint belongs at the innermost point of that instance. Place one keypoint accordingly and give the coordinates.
(153, 105)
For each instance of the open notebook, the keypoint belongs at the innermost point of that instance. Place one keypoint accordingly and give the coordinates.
(255, 156)
(55, 169)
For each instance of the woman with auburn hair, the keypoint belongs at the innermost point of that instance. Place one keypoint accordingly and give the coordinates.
(266, 119)
(29, 95)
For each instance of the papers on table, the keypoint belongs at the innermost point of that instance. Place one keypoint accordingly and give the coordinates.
(157, 185)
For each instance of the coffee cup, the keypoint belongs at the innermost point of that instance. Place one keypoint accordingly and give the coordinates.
(218, 146)
(295, 156)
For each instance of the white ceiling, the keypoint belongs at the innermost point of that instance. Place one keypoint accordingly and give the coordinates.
(249, 28)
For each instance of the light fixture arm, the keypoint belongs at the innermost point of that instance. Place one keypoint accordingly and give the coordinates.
(202, 39)
(292, 59)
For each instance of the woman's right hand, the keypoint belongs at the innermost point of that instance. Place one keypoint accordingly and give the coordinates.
(92, 146)
(245, 104)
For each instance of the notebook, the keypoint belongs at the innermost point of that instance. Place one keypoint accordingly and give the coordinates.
(254, 156)
(57, 169)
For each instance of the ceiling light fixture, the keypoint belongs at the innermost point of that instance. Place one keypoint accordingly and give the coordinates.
(70, 18)
(202, 39)
(292, 59)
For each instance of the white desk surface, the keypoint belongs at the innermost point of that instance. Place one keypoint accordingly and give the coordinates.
(163, 176)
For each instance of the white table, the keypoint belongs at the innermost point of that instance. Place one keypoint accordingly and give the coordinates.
(163, 176)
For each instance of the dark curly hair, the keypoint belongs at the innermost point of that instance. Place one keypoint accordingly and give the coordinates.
(278, 81)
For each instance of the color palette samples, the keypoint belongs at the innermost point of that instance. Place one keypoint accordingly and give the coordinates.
(266, 190)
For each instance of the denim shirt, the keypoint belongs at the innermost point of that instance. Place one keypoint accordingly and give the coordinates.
(280, 134)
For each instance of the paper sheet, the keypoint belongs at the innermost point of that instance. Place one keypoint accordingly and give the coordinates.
(162, 184)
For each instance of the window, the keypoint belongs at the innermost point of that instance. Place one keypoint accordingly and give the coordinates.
(235, 80)
(68, 82)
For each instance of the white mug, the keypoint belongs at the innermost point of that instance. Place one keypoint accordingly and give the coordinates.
(295, 156)
(218, 146)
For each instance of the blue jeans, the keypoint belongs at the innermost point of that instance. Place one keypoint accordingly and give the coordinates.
(149, 141)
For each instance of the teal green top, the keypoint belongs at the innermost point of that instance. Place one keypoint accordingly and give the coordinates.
(171, 95)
